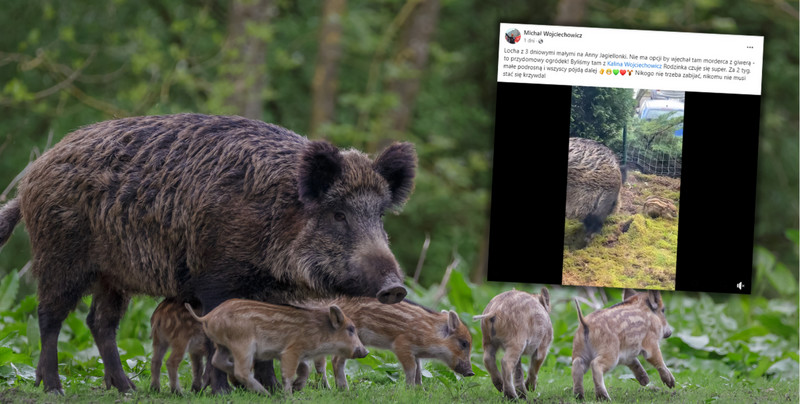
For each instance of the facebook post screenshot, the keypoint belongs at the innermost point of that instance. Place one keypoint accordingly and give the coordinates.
(628, 158)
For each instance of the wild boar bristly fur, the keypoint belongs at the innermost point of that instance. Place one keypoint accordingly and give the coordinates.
(518, 323)
(202, 208)
(412, 332)
(173, 327)
(594, 180)
(618, 335)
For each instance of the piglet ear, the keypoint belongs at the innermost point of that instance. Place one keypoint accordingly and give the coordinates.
(397, 164)
(544, 298)
(653, 299)
(337, 317)
(452, 321)
(320, 165)
(626, 293)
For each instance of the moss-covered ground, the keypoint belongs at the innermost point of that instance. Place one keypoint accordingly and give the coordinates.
(632, 250)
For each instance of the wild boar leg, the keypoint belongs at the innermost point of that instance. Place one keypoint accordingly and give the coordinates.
(508, 366)
(290, 361)
(407, 359)
(265, 374)
(319, 366)
(210, 298)
(223, 360)
(490, 361)
(243, 355)
(639, 372)
(159, 349)
(519, 380)
(537, 358)
(650, 346)
(418, 373)
(173, 363)
(337, 363)
(106, 311)
(197, 370)
(303, 371)
(600, 365)
(579, 369)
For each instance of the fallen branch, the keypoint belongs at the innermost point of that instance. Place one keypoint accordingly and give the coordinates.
(422, 254)
(445, 279)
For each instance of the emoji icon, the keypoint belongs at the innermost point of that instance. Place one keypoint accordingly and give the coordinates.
(601, 71)
(622, 72)
(608, 71)
(616, 71)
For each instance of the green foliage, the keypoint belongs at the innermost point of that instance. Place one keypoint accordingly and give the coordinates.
(600, 113)
(657, 134)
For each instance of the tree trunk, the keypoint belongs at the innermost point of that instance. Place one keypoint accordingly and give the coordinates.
(245, 55)
(326, 73)
(412, 57)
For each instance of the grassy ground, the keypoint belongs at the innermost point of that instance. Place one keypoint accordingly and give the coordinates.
(555, 386)
(632, 250)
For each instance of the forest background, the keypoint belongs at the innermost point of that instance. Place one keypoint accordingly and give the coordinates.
(362, 74)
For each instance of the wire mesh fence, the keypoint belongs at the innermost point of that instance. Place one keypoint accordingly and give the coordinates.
(654, 162)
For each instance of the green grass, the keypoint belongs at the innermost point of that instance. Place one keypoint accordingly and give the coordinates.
(555, 386)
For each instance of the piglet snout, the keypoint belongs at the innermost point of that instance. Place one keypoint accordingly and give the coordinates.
(360, 352)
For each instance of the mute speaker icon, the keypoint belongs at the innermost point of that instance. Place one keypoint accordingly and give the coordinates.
(740, 285)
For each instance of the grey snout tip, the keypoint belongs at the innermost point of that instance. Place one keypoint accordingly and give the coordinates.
(667, 332)
(470, 373)
(392, 295)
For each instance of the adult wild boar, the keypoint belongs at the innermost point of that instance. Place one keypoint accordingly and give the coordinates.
(202, 208)
(594, 180)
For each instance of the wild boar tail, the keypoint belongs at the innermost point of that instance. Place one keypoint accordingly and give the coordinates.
(488, 315)
(580, 317)
(189, 307)
(9, 217)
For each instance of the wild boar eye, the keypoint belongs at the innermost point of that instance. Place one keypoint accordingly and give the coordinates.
(464, 344)
(339, 216)
(351, 330)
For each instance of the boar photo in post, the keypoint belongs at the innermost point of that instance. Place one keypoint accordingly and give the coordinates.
(593, 183)
(204, 209)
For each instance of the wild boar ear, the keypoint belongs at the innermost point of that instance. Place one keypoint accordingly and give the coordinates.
(397, 164)
(653, 299)
(626, 293)
(452, 321)
(337, 317)
(320, 165)
(544, 297)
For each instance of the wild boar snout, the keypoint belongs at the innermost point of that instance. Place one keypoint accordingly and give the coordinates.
(464, 368)
(393, 294)
(382, 278)
(392, 291)
(360, 352)
(667, 331)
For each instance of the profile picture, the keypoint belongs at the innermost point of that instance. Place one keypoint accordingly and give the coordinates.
(513, 36)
